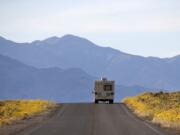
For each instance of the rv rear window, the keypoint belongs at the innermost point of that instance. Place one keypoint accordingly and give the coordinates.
(107, 87)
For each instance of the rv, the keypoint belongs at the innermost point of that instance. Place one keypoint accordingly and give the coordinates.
(104, 90)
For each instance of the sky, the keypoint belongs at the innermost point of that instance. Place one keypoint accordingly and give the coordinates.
(140, 27)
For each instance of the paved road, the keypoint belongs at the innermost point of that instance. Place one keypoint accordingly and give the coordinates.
(94, 119)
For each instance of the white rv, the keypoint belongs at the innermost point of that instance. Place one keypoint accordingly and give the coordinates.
(104, 90)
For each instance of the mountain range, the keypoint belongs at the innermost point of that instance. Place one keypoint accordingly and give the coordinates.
(20, 81)
(71, 51)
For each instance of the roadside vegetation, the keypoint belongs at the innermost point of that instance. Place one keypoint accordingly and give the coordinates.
(162, 108)
(11, 110)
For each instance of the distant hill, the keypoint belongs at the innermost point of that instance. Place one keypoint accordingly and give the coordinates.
(71, 51)
(18, 80)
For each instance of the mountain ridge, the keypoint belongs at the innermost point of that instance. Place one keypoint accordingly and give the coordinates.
(76, 52)
(71, 35)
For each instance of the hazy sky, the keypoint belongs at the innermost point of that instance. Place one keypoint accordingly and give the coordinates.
(142, 27)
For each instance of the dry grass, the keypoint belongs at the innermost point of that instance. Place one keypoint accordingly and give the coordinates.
(11, 110)
(162, 108)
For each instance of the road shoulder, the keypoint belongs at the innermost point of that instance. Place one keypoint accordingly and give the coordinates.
(150, 124)
(26, 124)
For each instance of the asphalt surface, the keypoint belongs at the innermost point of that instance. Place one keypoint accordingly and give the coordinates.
(95, 119)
